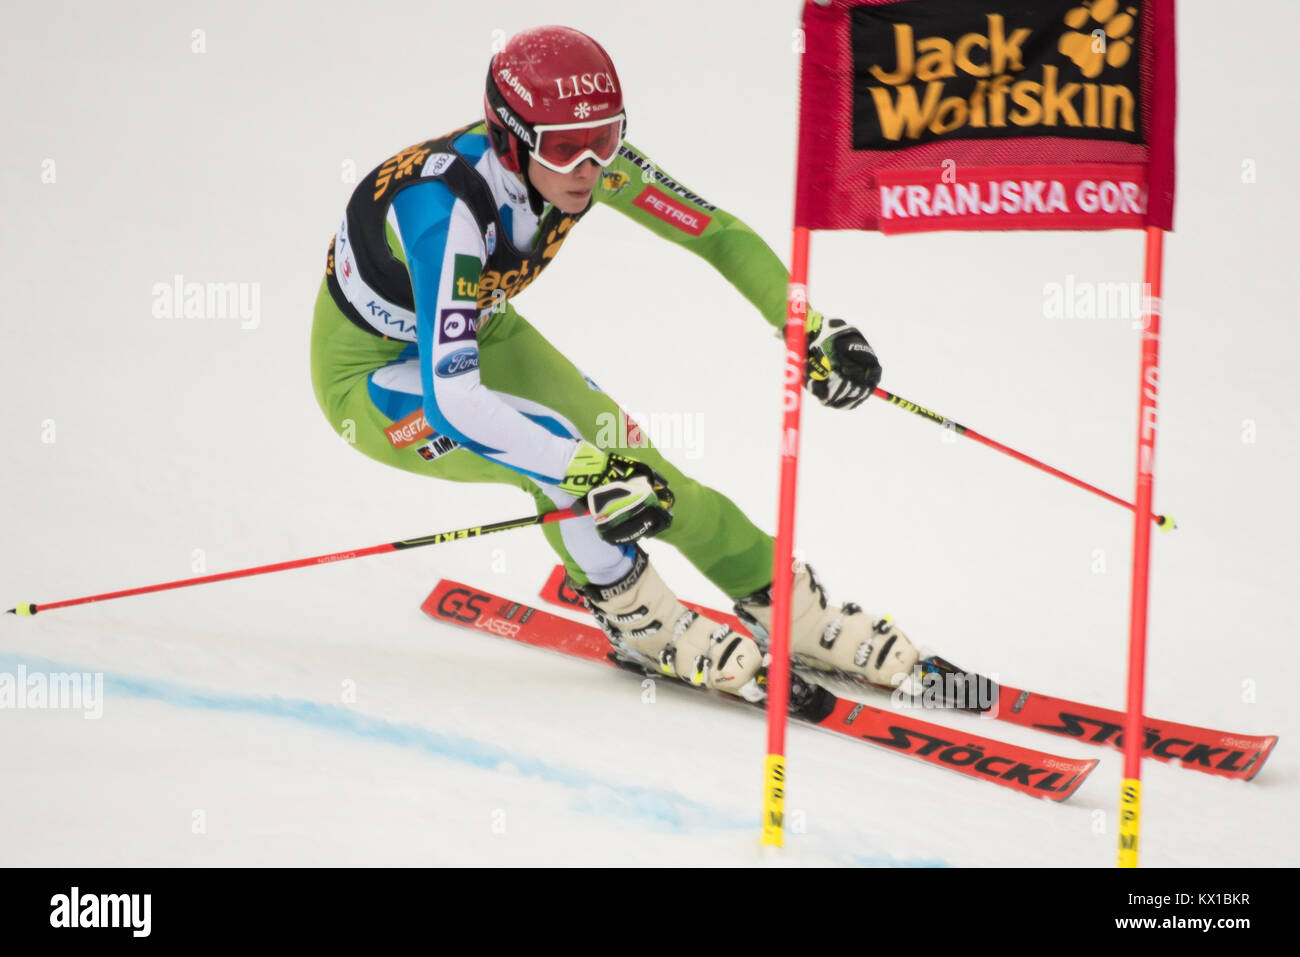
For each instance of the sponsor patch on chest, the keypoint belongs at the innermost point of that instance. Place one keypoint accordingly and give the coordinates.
(457, 363)
(457, 325)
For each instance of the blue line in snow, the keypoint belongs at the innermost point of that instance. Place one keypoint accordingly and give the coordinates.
(664, 809)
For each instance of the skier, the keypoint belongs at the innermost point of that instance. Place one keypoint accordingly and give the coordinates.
(418, 348)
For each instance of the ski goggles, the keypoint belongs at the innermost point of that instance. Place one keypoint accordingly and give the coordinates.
(562, 147)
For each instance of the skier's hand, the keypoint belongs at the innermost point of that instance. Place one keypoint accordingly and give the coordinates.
(842, 367)
(627, 499)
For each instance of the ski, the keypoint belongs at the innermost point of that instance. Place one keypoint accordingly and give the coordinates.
(1238, 756)
(1221, 753)
(1025, 770)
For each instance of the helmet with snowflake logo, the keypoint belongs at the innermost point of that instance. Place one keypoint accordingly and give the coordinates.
(553, 97)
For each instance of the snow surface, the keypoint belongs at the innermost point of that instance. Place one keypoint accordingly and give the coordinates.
(180, 443)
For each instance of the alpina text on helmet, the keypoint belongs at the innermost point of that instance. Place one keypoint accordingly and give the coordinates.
(515, 126)
(515, 85)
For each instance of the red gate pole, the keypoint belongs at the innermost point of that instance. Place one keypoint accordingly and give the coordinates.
(1130, 802)
(778, 671)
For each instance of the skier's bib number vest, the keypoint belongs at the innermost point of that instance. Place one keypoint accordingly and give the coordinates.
(372, 287)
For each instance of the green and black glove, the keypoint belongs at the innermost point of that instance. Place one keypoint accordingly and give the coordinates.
(842, 367)
(627, 499)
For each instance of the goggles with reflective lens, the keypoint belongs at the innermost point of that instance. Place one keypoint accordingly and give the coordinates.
(562, 147)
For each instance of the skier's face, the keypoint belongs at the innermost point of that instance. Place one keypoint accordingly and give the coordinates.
(568, 192)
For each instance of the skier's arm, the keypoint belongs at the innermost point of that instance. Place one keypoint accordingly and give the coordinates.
(444, 253)
(842, 368)
(636, 187)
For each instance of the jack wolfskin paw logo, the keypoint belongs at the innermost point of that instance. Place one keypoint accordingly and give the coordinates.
(1108, 43)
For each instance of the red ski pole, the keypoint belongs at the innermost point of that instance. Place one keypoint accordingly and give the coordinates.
(474, 531)
(1165, 522)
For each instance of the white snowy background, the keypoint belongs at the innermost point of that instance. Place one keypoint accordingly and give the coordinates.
(137, 449)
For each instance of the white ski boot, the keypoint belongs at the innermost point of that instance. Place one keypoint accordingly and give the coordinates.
(648, 625)
(842, 640)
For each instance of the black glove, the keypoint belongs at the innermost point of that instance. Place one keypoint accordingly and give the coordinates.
(842, 367)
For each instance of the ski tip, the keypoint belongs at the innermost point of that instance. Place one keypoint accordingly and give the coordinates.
(1085, 768)
(1264, 752)
(26, 610)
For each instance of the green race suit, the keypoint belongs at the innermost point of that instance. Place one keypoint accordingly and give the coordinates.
(420, 359)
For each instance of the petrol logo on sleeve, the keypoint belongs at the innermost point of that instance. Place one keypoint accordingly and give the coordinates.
(464, 278)
(458, 363)
(660, 204)
(457, 325)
